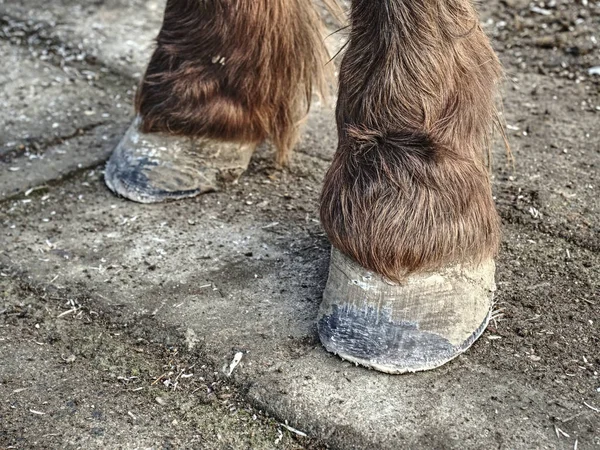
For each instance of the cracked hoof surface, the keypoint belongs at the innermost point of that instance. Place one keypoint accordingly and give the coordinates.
(418, 325)
(155, 167)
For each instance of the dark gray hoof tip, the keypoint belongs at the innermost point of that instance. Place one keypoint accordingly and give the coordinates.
(419, 325)
(157, 167)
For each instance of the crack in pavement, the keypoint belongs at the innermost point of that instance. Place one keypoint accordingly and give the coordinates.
(39, 146)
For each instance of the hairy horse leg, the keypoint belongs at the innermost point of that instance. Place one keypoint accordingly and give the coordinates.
(225, 76)
(407, 202)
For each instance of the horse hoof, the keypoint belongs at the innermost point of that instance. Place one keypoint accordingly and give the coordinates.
(155, 167)
(418, 325)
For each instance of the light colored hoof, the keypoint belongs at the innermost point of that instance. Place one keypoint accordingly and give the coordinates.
(155, 167)
(418, 325)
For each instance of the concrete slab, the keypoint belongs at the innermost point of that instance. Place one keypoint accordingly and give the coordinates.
(55, 120)
(116, 33)
(244, 269)
(34, 171)
(103, 397)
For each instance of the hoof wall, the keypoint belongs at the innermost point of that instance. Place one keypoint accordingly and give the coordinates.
(418, 325)
(156, 167)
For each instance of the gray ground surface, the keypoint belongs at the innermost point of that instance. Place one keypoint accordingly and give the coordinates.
(108, 305)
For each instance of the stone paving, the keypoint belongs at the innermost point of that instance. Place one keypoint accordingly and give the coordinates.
(242, 271)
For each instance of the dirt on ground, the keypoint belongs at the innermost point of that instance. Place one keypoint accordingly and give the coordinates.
(72, 372)
(71, 376)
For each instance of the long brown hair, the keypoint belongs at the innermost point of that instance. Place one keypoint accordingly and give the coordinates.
(409, 188)
(236, 70)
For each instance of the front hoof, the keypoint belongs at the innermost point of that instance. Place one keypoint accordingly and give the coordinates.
(418, 325)
(155, 167)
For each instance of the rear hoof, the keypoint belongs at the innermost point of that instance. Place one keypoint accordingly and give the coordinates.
(156, 167)
(419, 325)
